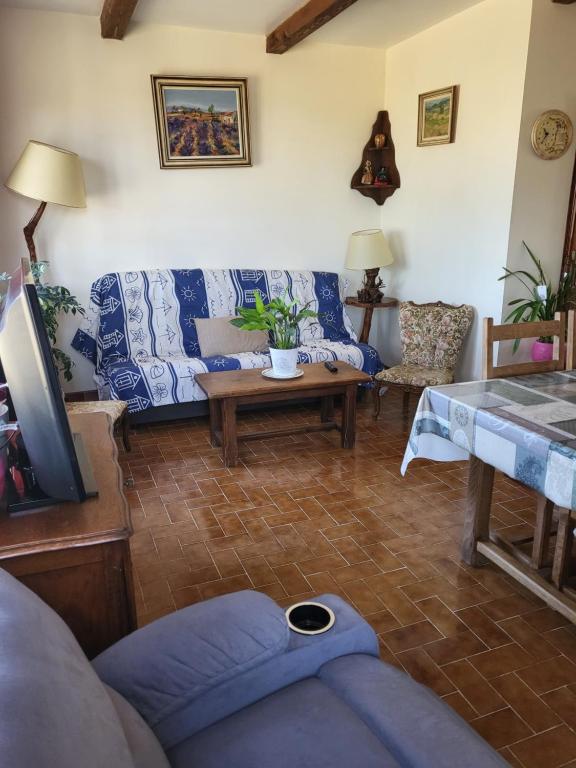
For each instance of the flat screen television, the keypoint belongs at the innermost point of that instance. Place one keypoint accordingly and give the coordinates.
(57, 458)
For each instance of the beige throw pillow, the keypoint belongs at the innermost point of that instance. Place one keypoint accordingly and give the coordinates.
(217, 336)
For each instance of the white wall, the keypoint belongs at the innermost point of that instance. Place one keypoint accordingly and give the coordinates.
(311, 113)
(542, 187)
(449, 222)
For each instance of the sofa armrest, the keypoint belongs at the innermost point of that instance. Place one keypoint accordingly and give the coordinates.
(161, 668)
(164, 665)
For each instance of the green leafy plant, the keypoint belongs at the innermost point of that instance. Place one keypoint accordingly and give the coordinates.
(55, 299)
(542, 302)
(280, 317)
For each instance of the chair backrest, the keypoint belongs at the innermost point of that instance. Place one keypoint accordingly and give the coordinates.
(562, 329)
(432, 335)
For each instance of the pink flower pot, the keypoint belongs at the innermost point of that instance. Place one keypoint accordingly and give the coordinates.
(541, 351)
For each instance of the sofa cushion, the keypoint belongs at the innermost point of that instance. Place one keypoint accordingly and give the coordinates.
(164, 666)
(140, 329)
(155, 381)
(410, 719)
(54, 711)
(415, 376)
(153, 312)
(301, 726)
(217, 336)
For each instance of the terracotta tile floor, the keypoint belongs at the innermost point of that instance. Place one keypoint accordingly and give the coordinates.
(300, 516)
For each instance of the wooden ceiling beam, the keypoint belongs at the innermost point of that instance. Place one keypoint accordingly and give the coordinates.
(115, 17)
(303, 22)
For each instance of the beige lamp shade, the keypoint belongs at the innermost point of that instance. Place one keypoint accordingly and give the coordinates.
(368, 249)
(49, 174)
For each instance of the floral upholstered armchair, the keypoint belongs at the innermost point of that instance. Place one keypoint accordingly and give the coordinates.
(432, 336)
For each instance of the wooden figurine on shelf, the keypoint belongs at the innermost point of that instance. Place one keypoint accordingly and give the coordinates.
(375, 156)
(368, 175)
(381, 179)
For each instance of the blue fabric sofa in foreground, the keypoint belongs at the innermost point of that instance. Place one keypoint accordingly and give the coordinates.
(140, 329)
(222, 684)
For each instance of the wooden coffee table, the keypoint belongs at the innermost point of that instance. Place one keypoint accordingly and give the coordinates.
(227, 390)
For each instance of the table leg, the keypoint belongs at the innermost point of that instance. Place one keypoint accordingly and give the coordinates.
(327, 408)
(541, 544)
(562, 549)
(348, 433)
(366, 325)
(477, 514)
(229, 433)
(215, 421)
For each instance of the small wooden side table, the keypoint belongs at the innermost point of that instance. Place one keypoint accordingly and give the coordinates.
(387, 303)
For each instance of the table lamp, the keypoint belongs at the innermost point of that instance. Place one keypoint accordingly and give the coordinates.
(48, 174)
(368, 249)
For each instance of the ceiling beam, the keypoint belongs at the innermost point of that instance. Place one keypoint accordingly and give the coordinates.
(115, 17)
(564, 2)
(303, 22)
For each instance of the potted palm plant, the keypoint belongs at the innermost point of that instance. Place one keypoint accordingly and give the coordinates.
(542, 301)
(280, 318)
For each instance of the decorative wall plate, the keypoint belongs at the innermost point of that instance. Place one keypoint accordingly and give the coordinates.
(552, 134)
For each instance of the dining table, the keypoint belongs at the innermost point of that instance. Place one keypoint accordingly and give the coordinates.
(523, 426)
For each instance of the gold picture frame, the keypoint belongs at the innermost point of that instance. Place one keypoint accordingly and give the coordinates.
(202, 122)
(437, 116)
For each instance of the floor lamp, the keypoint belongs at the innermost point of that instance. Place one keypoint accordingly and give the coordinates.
(51, 175)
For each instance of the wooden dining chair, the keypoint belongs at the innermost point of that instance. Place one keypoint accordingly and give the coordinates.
(563, 331)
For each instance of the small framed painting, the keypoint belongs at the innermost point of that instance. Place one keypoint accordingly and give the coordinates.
(201, 122)
(437, 116)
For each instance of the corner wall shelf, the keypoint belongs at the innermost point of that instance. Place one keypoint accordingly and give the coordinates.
(379, 157)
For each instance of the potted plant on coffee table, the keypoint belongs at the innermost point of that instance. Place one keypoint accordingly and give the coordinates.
(280, 318)
(542, 302)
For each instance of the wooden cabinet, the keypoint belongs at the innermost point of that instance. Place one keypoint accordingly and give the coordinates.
(76, 557)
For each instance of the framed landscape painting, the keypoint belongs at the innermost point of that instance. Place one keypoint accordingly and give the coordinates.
(437, 116)
(201, 122)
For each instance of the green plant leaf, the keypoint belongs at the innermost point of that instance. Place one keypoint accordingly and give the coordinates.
(279, 317)
(536, 260)
(54, 300)
(258, 301)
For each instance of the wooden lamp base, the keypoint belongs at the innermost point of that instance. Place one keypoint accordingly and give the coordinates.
(370, 292)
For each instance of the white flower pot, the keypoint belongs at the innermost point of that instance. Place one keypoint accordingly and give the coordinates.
(284, 361)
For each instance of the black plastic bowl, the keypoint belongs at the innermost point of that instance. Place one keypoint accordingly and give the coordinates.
(310, 618)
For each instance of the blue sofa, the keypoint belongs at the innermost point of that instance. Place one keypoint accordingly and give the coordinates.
(221, 684)
(140, 332)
